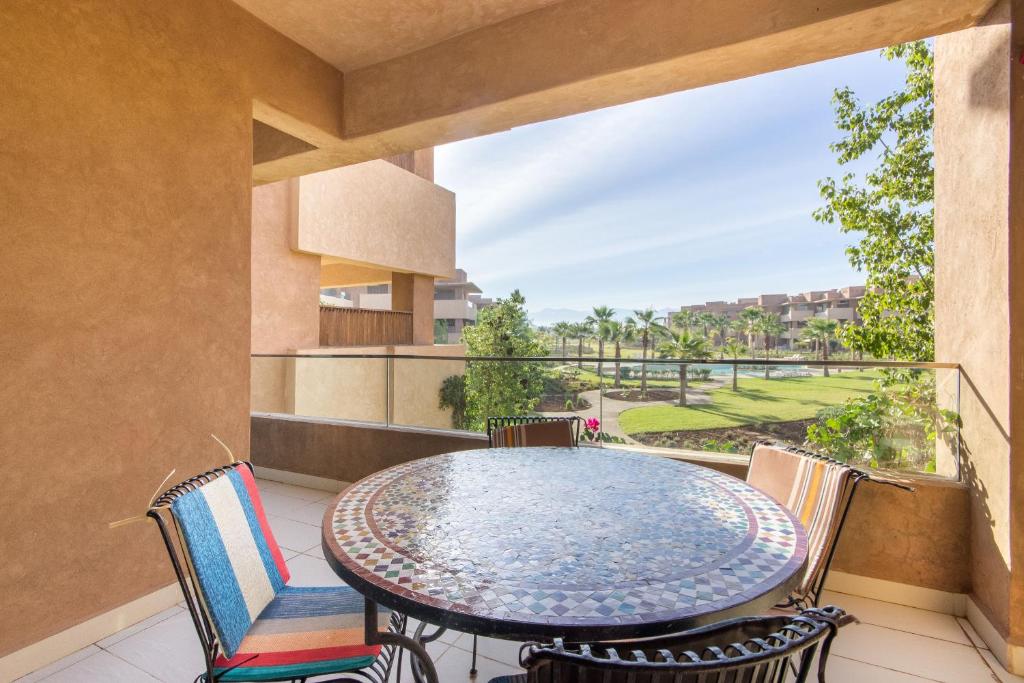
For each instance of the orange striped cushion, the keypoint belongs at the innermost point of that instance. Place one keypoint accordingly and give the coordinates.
(815, 491)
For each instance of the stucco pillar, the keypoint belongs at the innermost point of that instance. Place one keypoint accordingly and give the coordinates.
(415, 293)
(979, 239)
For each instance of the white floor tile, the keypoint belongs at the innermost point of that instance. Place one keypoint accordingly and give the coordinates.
(842, 670)
(63, 663)
(141, 626)
(311, 571)
(308, 513)
(101, 667)
(899, 617)
(453, 666)
(910, 653)
(169, 651)
(316, 551)
(279, 504)
(307, 494)
(294, 535)
(504, 651)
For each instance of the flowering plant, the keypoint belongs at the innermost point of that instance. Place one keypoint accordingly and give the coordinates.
(591, 429)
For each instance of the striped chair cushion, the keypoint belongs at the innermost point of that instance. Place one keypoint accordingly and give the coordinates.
(303, 632)
(235, 559)
(553, 433)
(815, 491)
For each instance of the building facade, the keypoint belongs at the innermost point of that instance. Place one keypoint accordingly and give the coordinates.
(457, 301)
(794, 310)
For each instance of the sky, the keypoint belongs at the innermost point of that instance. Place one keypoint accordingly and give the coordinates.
(700, 195)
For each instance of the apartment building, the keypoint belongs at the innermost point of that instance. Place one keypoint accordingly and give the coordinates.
(457, 301)
(794, 309)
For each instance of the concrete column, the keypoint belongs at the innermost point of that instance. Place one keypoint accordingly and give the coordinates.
(415, 293)
(979, 316)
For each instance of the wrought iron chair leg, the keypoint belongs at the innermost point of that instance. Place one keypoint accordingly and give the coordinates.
(472, 665)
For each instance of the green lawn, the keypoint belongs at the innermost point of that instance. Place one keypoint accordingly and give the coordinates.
(758, 400)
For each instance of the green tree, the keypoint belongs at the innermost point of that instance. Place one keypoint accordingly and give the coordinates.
(562, 330)
(648, 329)
(684, 320)
(770, 326)
(581, 332)
(890, 208)
(706, 319)
(821, 332)
(721, 327)
(440, 332)
(496, 388)
(453, 396)
(687, 346)
(599, 320)
(749, 319)
(620, 333)
(734, 349)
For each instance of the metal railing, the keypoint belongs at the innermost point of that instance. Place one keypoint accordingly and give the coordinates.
(891, 414)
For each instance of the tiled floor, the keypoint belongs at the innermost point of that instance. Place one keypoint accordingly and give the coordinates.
(892, 644)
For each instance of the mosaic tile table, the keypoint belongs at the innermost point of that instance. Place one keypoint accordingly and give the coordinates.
(582, 543)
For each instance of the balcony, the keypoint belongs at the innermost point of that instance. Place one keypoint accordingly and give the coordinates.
(893, 642)
(362, 327)
(837, 313)
(454, 309)
(796, 315)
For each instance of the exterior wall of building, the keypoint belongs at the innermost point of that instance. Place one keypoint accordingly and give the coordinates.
(977, 162)
(380, 215)
(285, 283)
(127, 179)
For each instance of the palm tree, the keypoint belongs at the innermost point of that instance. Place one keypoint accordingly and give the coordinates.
(770, 325)
(688, 347)
(721, 327)
(563, 330)
(619, 333)
(684, 319)
(648, 330)
(707, 320)
(821, 331)
(748, 319)
(734, 349)
(599, 321)
(580, 332)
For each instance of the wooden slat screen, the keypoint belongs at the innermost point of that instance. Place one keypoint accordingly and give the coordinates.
(364, 327)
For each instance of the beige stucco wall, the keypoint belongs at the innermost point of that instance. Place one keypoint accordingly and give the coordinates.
(380, 215)
(417, 383)
(358, 388)
(125, 190)
(973, 287)
(285, 283)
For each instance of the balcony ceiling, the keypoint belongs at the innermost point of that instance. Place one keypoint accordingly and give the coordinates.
(355, 33)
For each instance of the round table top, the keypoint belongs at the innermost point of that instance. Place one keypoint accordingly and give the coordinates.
(582, 543)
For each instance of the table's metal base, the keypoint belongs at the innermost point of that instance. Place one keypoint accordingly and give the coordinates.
(422, 666)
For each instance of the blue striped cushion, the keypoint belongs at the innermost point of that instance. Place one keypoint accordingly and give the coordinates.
(236, 561)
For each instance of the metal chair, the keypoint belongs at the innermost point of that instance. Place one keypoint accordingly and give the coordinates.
(501, 431)
(251, 624)
(818, 491)
(748, 649)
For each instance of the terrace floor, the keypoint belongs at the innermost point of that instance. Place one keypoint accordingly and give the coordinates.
(892, 644)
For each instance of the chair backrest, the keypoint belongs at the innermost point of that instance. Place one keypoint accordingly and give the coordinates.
(818, 491)
(751, 649)
(233, 560)
(533, 430)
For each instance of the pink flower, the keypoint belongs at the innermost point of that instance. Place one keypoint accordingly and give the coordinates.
(593, 424)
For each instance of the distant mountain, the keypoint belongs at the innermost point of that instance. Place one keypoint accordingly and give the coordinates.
(549, 316)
